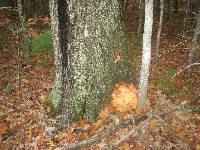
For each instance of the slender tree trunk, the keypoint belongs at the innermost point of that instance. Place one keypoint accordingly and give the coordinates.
(146, 55)
(173, 6)
(167, 12)
(26, 40)
(159, 30)
(141, 17)
(157, 5)
(193, 50)
(186, 17)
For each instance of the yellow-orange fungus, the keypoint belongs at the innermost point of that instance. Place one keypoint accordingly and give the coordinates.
(124, 97)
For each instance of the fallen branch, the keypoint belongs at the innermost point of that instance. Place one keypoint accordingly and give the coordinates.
(187, 67)
(133, 132)
(98, 137)
(142, 126)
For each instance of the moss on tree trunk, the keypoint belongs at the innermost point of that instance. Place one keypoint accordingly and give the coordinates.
(95, 35)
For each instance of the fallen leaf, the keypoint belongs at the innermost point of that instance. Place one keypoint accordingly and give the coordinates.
(3, 128)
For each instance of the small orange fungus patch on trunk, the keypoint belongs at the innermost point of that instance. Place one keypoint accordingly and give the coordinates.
(117, 57)
(124, 97)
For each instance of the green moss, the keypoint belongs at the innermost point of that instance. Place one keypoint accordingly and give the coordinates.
(54, 101)
(42, 65)
(41, 43)
(165, 84)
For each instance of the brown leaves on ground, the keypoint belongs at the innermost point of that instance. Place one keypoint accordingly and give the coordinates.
(24, 122)
(37, 25)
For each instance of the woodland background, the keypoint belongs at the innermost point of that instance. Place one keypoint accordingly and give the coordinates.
(27, 75)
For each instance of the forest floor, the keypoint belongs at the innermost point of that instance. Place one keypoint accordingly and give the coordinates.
(26, 82)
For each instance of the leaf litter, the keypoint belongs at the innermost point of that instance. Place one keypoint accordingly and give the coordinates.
(25, 124)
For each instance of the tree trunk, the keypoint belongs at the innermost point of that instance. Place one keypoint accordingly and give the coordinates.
(193, 50)
(60, 95)
(26, 39)
(186, 17)
(173, 6)
(159, 30)
(141, 17)
(95, 37)
(157, 5)
(167, 12)
(146, 55)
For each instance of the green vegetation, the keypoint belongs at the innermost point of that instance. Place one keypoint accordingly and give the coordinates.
(42, 65)
(42, 43)
(165, 84)
(5, 3)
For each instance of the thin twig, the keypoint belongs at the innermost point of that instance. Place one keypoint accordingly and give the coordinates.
(187, 67)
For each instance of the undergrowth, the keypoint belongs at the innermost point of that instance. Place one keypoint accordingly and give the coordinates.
(41, 43)
(165, 84)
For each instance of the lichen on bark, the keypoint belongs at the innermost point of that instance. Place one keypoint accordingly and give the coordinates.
(95, 35)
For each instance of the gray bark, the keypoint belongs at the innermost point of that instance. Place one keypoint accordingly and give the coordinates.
(193, 50)
(95, 34)
(61, 93)
(26, 39)
(55, 95)
(99, 35)
(141, 17)
(159, 30)
(173, 6)
(146, 55)
(186, 18)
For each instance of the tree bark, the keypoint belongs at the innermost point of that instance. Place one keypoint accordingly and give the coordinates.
(26, 39)
(95, 36)
(141, 17)
(146, 56)
(174, 6)
(193, 50)
(159, 30)
(61, 93)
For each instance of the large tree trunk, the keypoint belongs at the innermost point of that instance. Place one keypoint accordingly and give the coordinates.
(146, 56)
(95, 37)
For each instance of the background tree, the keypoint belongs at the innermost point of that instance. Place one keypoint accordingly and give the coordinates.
(193, 50)
(26, 42)
(141, 17)
(146, 55)
(97, 57)
(159, 30)
(173, 6)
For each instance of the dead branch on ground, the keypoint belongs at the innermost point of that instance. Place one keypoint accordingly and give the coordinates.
(182, 70)
(140, 123)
